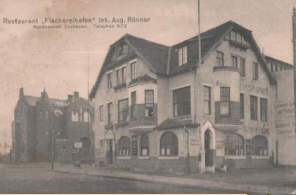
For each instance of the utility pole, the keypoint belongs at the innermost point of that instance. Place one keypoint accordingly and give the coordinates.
(5, 142)
(52, 141)
(294, 56)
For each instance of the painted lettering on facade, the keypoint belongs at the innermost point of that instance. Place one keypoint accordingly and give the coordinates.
(284, 124)
(257, 128)
(253, 88)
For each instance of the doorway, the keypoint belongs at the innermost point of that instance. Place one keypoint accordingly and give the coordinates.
(110, 152)
(208, 148)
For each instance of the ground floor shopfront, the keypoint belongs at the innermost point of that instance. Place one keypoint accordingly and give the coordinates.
(187, 148)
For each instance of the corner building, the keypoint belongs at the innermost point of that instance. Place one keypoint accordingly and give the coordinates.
(156, 110)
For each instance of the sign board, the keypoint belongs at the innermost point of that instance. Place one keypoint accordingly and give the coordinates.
(78, 145)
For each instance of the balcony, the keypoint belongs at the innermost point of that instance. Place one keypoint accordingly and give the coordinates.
(226, 68)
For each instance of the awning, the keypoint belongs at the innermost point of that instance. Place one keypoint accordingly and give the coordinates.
(228, 128)
(142, 129)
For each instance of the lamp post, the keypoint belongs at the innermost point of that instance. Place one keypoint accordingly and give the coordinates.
(54, 113)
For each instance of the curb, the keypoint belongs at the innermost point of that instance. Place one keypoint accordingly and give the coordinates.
(186, 182)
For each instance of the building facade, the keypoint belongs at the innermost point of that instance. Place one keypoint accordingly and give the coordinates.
(42, 124)
(157, 110)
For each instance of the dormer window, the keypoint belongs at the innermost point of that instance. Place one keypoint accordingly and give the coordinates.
(182, 55)
(238, 39)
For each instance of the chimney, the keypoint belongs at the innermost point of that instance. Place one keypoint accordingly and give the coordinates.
(21, 92)
(76, 95)
(70, 98)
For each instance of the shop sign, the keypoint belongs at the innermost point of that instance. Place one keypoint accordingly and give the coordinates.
(219, 145)
(78, 145)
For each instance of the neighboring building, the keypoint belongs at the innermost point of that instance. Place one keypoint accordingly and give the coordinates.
(157, 110)
(36, 118)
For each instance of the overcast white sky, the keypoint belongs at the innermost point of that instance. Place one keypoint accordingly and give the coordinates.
(57, 59)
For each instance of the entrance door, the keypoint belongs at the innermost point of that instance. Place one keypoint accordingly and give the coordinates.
(110, 152)
(207, 148)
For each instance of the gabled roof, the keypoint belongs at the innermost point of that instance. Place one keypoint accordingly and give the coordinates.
(32, 101)
(273, 60)
(163, 59)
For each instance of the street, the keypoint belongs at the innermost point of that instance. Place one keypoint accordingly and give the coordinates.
(38, 180)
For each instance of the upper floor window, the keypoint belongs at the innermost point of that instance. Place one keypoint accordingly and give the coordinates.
(133, 70)
(133, 102)
(225, 100)
(254, 107)
(220, 58)
(149, 103)
(234, 61)
(109, 81)
(120, 75)
(237, 37)
(255, 71)
(181, 101)
(242, 67)
(182, 55)
(86, 117)
(263, 109)
(271, 67)
(234, 145)
(242, 106)
(121, 51)
(276, 67)
(207, 100)
(122, 110)
(110, 113)
(101, 113)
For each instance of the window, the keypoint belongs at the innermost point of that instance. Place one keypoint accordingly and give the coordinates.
(220, 59)
(122, 50)
(122, 110)
(254, 107)
(149, 103)
(181, 101)
(242, 106)
(101, 112)
(182, 55)
(276, 67)
(109, 81)
(133, 70)
(242, 67)
(259, 146)
(144, 145)
(234, 145)
(263, 109)
(110, 113)
(85, 142)
(123, 75)
(225, 100)
(118, 76)
(255, 71)
(207, 100)
(133, 102)
(234, 61)
(271, 67)
(124, 146)
(86, 117)
(169, 144)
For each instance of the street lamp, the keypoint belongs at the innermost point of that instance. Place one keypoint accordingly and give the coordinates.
(56, 113)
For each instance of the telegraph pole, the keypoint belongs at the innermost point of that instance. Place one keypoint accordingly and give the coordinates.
(5, 142)
(294, 56)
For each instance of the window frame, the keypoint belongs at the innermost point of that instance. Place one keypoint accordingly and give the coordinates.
(261, 145)
(242, 67)
(219, 59)
(234, 60)
(133, 104)
(225, 100)
(208, 101)
(144, 146)
(240, 145)
(109, 80)
(133, 70)
(169, 144)
(110, 113)
(122, 146)
(101, 113)
(149, 105)
(263, 110)
(255, 71)
(242, 106)
(252, 107)
(182, 55)
(183, 103)
(124, 111)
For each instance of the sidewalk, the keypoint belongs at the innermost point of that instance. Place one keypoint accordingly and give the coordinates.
(269, 180)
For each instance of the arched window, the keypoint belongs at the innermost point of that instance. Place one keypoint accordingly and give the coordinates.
(169, 144)
(124, 146)
(234, 145)
(85, 142)
(259, 146)
(144, 145)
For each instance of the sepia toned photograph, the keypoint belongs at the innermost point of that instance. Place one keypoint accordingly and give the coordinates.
(147, 97)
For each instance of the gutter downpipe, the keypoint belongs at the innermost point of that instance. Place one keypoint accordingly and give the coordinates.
(188, 152)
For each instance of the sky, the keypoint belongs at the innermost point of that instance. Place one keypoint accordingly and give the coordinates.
(57, 59)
